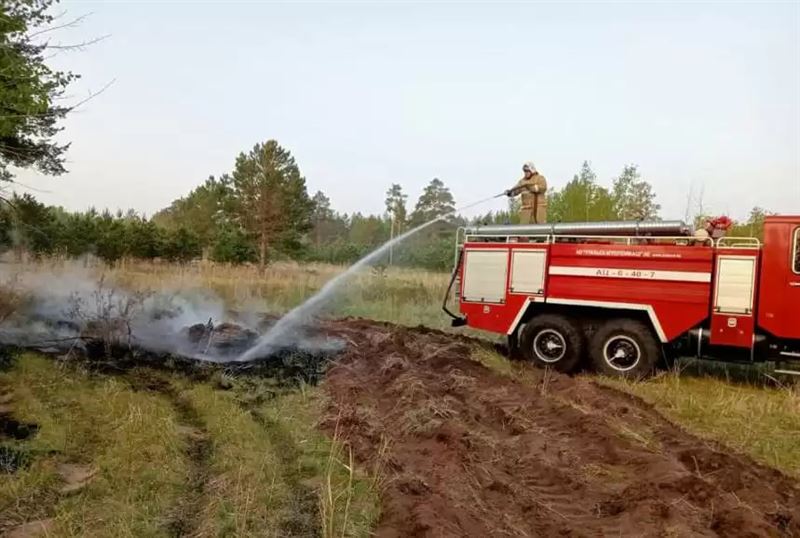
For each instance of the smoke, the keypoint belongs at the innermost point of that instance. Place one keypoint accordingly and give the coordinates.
(287, 326)
(69, 308)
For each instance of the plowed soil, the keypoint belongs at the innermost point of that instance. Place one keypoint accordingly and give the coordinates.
(466, 451)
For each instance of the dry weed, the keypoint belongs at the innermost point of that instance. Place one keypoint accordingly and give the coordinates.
(11, 298)
(427, 416)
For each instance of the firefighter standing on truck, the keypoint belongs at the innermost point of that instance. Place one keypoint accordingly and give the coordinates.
(533, 188)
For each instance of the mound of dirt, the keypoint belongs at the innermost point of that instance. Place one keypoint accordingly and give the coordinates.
(468, 452)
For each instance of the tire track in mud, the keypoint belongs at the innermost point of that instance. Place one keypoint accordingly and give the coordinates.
(473, 453)
(303, 516)
(184, 517)
(712, 466)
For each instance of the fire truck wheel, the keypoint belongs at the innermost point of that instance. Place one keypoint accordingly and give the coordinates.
(552, 341)
(624, 348)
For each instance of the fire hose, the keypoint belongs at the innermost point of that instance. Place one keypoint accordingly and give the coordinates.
(457, 321)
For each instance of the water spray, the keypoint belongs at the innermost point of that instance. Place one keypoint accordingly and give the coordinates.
(280, 333)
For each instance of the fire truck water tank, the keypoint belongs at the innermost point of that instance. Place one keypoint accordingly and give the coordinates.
(636, 228)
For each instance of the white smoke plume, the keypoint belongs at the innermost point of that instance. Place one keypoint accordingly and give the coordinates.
(71, 308)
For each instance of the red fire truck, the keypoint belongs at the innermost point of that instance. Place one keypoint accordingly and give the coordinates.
(622, 296)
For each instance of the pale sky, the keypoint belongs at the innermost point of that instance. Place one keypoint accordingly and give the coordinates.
(705, 98)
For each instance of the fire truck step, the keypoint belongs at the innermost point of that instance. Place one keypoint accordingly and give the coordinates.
(790, 367)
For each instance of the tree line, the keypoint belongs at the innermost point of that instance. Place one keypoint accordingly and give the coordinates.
(28, 226)
(262, 211)
(234, 217)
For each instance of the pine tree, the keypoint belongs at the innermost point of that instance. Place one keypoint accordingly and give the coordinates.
(633, 197)
(581, 200)
(396, 207)
(30, 91)
(321, 215)
(34, 225)
(269, 197)
(435, 201)
(232, 245)
(369, 231)
(182, 245)
(202, 211)
(145, 239)
(110, 244)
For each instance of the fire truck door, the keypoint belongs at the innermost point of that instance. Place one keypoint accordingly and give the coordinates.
(779, 289)
(732, 317)
(485, 273)
(792, 299)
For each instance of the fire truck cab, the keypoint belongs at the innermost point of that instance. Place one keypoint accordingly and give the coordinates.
(622, 296)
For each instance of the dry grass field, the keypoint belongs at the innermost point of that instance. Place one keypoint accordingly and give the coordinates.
(159, 452)
(399, 295)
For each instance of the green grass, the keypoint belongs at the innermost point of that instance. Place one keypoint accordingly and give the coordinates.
(246, 489)
(348, 497)
(266, 471)
(498, 363)
(130, 438)
(274, 473)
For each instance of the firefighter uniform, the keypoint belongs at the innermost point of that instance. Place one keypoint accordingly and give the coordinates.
(533, 189)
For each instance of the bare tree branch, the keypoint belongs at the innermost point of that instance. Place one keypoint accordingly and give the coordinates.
(71, 24)
(65, 110)
(77, 46)
(23, 185)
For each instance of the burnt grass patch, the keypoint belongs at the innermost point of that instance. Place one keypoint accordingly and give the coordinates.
(114, 340)
(11, 428)
(14, 458)
(205, 351)
(288, 366)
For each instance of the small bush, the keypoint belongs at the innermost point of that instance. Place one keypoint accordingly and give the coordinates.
(11, 299)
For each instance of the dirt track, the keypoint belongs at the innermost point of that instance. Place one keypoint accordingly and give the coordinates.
(473, 453)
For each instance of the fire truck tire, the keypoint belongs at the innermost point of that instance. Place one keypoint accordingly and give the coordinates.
(552, 341)
(624, 348)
